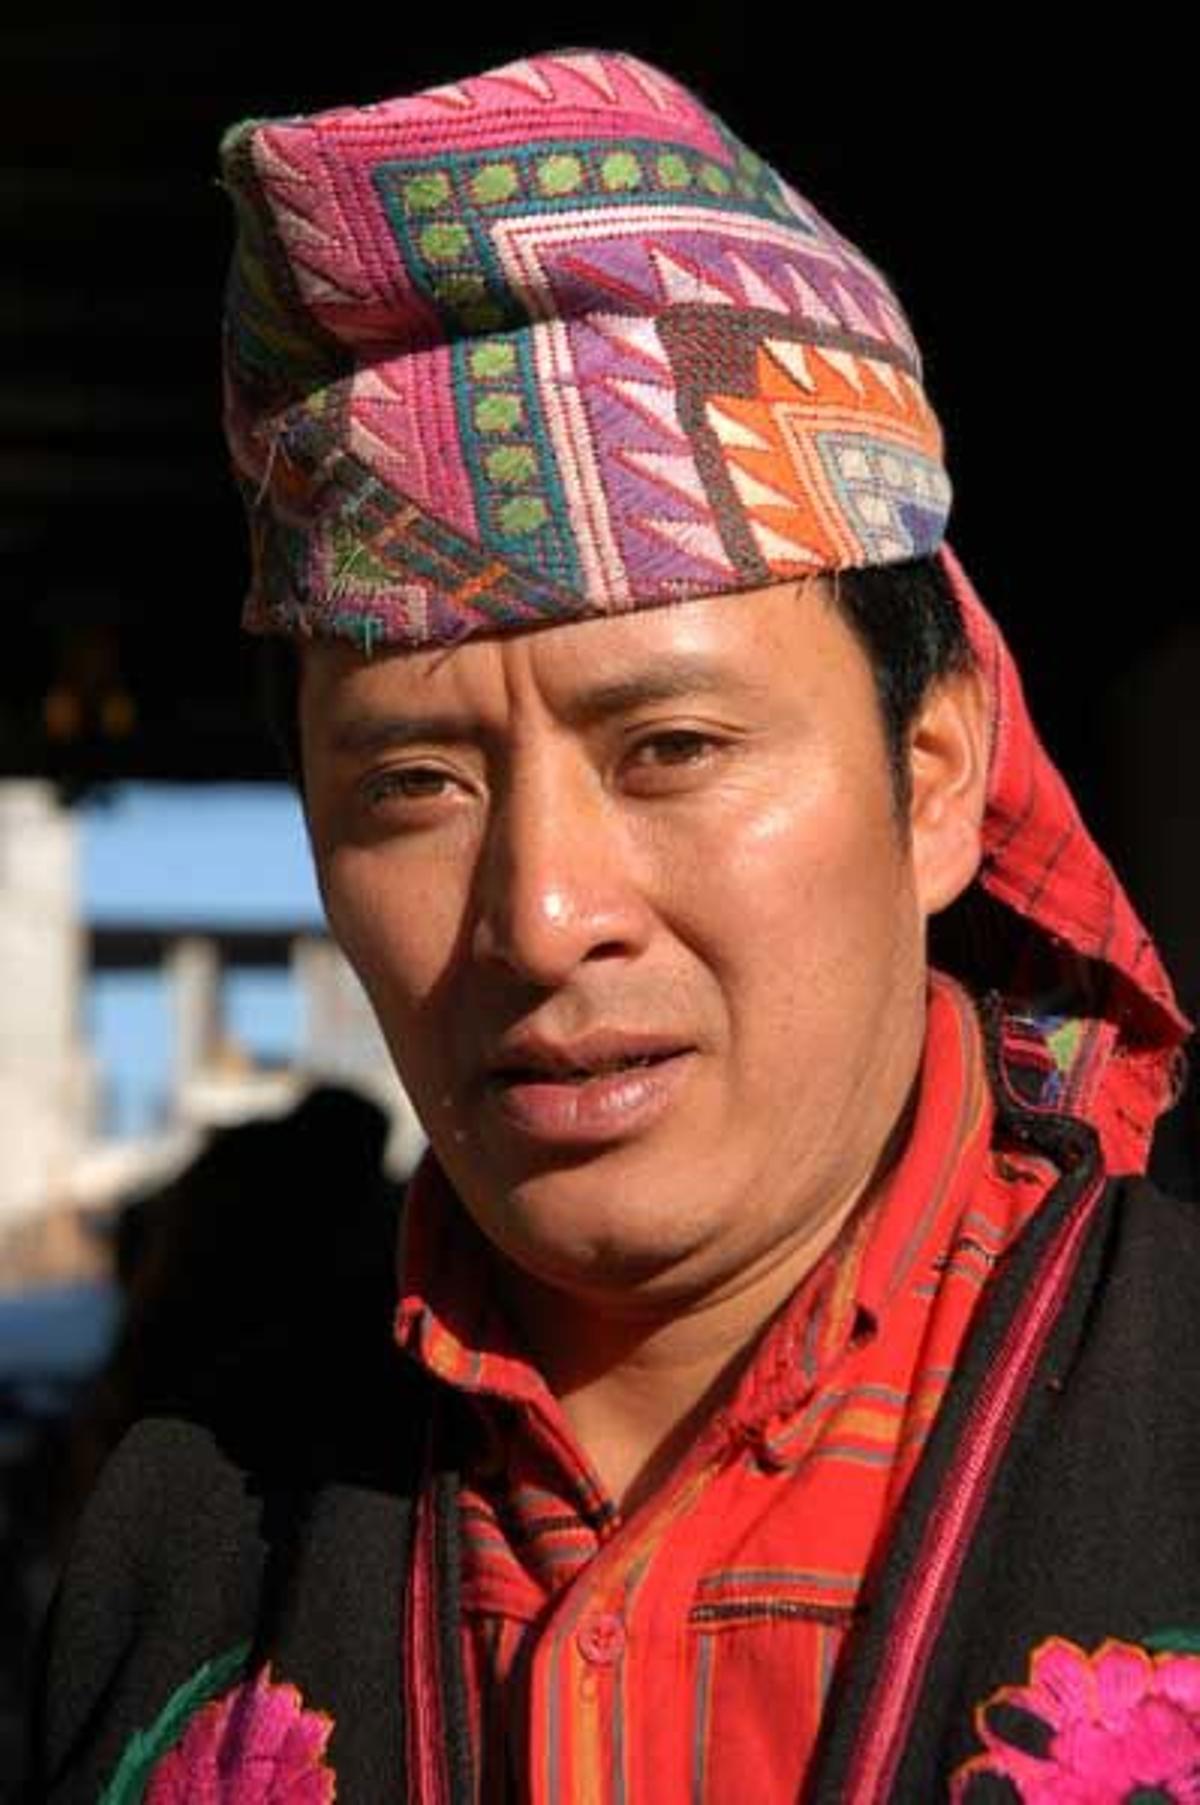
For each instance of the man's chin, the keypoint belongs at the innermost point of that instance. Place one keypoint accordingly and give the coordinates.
(568, 1235)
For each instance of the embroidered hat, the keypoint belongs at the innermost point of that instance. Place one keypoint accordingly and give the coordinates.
(550, 342)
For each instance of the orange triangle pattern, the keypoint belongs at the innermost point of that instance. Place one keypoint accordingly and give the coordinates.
(770, 443)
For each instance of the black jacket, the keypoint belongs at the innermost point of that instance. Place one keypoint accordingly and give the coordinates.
(1059, 1496)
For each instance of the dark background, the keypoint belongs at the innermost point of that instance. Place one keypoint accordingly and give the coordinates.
(1026, 189)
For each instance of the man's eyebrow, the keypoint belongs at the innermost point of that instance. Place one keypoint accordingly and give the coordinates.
(370, 733)
(669, 681)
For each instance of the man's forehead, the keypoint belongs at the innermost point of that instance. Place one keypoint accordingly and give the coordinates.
(750, 643)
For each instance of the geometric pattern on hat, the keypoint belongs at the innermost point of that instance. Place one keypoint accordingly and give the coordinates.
(551, 342)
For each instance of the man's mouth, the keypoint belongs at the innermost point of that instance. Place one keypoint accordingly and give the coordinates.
(606, 1087)
(580, 1074)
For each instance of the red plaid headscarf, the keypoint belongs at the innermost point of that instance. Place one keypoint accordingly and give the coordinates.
(1078, 967)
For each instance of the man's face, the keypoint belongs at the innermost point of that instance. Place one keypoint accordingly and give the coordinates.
(645, 937)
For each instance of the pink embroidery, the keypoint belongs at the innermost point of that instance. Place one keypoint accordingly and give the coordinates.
(1100, 1729)
(256, 1745)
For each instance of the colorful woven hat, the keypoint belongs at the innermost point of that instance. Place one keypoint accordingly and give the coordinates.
(549, 342)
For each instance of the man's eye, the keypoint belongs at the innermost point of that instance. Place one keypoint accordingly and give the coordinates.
(678, 746)
(407, 783)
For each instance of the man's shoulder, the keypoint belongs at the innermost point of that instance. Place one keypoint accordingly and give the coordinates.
(1155, 1230)
(1139, 1340)
(197, 1542)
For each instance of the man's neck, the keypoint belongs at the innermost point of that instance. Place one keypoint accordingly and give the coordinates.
(638, 1385)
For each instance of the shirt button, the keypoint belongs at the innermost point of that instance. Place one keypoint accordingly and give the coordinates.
(601, 1638)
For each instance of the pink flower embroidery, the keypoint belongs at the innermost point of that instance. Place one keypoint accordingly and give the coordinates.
(256, 1745)
(1113, 1728)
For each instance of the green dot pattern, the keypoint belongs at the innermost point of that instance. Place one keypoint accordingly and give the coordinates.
(445, 243)
(498, 413)
(714, 178)
(511, 464)
(620, 169)
(494, 183)
(673, 172)
(560, 175)
(425, 193)
(488, 362)
(523, 514)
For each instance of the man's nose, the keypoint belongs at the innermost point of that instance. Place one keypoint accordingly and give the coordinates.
(559, 882)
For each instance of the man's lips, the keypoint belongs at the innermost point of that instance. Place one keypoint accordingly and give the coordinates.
(534, 1058)
(602, 1087)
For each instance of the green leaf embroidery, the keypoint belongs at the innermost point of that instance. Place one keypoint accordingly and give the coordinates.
(1174, 1642)
(147, 1747)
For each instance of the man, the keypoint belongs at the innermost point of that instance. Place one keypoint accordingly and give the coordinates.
(792, 1386)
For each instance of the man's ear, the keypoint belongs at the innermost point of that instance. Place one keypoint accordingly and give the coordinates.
(948, 747)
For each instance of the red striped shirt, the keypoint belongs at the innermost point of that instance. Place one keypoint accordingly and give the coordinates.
(685, 1653)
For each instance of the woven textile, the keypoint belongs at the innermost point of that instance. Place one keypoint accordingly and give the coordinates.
(550, 342)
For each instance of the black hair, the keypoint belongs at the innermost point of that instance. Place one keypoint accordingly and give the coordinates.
(908, 623)
(904, 616)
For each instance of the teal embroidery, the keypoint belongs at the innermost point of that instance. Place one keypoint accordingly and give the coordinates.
(1174, 1642)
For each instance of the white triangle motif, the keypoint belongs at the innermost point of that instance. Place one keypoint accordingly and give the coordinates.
(647, 80)
(524, 75)
(844, 364)
(674, 469)
(696, 538)
(632, 333)
(778, 550)
(756, 493)
(649, 398)
(791, 356)
(853, 314)
(810, 302)
(450, 94)
(371, 383)
(589, 68)
(896, 327)
(759, 293)
(682, 284)
(885, 374)
(733, 432)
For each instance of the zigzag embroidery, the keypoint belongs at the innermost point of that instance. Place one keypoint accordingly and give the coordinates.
(634, 334)
(590, 69)
(674, 471)
(525, 77)
(298, 203)
(679, 280)
(658, 92)
(656, 405)
(697, 539)
(756, 290)
(787, 506)
(450, 94)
